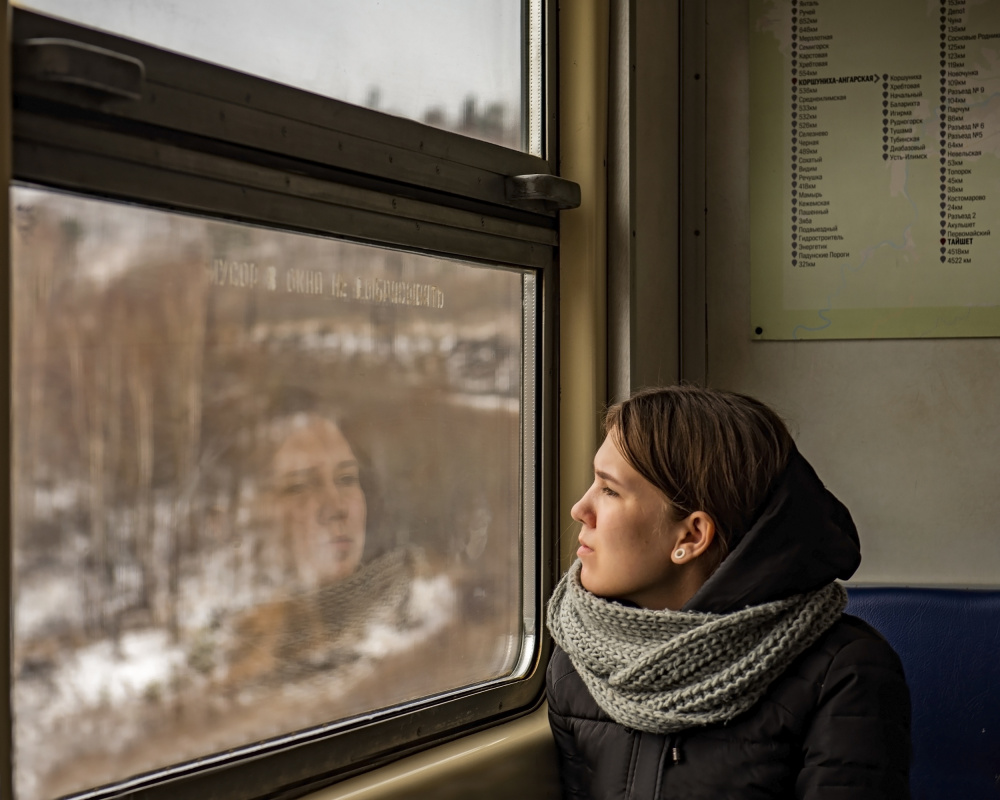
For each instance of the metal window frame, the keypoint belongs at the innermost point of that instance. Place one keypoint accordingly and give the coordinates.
(646, 240)
(694, 211)
(205, 122)
(180, 134)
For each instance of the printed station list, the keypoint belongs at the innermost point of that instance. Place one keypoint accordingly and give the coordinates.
(816, 234)
(961, 136)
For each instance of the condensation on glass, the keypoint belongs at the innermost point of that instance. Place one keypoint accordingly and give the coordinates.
(471, 67)
(262, 481)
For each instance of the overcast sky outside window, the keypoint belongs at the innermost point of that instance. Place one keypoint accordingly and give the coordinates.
(406, 57)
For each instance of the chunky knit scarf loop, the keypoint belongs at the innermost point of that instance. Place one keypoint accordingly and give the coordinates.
(666, 671)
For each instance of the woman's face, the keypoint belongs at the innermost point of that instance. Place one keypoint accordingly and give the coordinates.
(320, 501)
(626, 534)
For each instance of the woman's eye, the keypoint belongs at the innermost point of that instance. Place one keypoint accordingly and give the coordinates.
(346, 481)
(291, 485)
(609, 492)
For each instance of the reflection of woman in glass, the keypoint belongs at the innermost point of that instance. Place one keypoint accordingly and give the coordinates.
(319, 501)
(344, 605)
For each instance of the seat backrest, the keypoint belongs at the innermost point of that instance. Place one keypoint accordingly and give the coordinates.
(949, 643)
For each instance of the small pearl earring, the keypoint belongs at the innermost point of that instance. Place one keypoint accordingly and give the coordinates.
(679, 553)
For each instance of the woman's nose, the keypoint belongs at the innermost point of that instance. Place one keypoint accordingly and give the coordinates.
(331, 506)
(582, 511)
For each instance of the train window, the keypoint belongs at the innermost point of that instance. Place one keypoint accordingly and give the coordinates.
(450, 63)
(282, 409)
(222, 533)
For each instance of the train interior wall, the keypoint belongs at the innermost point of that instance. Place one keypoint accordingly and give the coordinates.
(903, 431)
(906, 432)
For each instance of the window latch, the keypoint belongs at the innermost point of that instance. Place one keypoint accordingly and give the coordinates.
(64, 61)
(548, 191)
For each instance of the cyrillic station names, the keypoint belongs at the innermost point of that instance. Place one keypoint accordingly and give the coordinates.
(960, 137)
(814, 98)
(913, 112)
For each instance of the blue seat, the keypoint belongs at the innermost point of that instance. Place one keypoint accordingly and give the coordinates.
(949, 642)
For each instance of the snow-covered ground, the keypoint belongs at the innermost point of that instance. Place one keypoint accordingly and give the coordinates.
(100, 699)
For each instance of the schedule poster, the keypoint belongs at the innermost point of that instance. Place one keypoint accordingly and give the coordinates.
(874, 171)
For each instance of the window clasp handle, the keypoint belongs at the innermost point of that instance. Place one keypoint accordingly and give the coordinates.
(65, 61)
(549, 191)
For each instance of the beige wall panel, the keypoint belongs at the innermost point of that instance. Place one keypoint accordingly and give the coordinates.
(583, 126)
(6, 784)
(643, 201)
(514, 760)
(905, 432)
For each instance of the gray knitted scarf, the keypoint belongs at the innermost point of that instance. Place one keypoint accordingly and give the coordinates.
(665, 671)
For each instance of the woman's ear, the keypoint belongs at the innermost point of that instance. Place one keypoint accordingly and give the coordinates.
(694, 536)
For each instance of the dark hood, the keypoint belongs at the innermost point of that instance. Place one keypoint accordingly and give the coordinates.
(803, 539)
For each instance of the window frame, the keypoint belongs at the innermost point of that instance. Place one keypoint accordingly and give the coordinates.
(208, 140)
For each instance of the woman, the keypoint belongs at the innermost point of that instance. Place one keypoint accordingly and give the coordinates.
(702, 649)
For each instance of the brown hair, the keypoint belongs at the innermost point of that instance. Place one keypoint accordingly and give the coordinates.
(705, 449)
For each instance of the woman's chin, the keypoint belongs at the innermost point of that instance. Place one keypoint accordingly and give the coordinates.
(591, 582)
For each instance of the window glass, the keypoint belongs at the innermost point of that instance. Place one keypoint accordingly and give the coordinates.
(453, 64)
(262, 481)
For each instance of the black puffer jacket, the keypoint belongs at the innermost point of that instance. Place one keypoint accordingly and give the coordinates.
(834, 726)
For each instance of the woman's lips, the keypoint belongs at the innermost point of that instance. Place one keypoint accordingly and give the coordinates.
(584, 550)
(343, 542)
